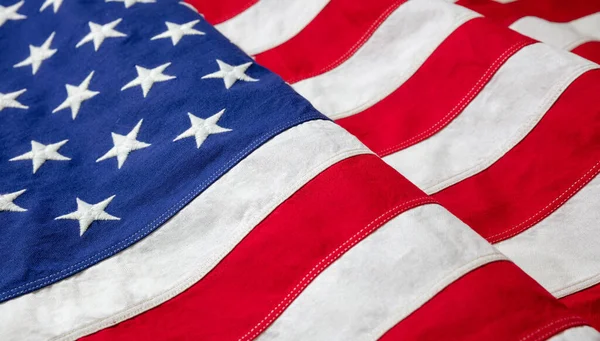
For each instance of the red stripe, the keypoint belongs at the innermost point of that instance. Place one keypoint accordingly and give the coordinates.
(215, 12)
(504, 14)
(334, 35)
(586, 303)
(552, 10)
(558, 157)
(442, 87)
(272, 265)
(589, 50)
(495, 302)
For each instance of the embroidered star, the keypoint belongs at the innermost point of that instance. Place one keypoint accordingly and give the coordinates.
(231, 74)
(40, 153)
(37, 54)
(100, 32)
(123, 145)
(147, 77)
(10, 13)
(176, 32)
(202, 128)
(6, 202)
(129, 3)
(55, 5)
(76, 95)
(87, 214)
(9, 100)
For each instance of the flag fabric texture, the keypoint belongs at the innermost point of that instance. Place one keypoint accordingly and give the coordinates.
(159, 182)
(500, 129)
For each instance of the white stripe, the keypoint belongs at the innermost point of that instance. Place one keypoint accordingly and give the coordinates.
(500, 116)
(563, 35)
(583, 333)
(185, 248)
(391, 56)
(562, 252)
(269, 23)
(384, 278)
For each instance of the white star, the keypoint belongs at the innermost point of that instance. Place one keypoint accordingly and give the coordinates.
(9, 100)
(38, 54)
(41, 153)
(202, 128)
(129, 3)
(231, 74)
(6, 202)
(123, 145)
(147, 77)
(55, 5)
(76, 95)
(100, 32)
(87, 214)
(10, 13)
(176, 32)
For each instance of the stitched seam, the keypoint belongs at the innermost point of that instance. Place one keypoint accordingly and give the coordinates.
(175, 207)
(354, 47)
(559, 329)
(519, 135)
(330, 258)
(160, 219)
(462, 104)
(234, 235)
(577, 286)
(549, 208)
(562, 323)
(578, 42)
(580, 37)
(426, 295)
(415, 64)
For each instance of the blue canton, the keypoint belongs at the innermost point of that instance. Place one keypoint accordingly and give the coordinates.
(114, 115)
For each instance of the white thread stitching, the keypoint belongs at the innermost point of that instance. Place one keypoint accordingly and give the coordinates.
(443, 282)
(567, 193)
(190, 280)
(354, 47)
(460, 106)
(332, 256)
(523, 130)
(159, 220)
(460, 19)
(573, 321)
(577, 286)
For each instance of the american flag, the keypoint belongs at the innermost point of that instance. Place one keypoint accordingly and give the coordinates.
(171, 171)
